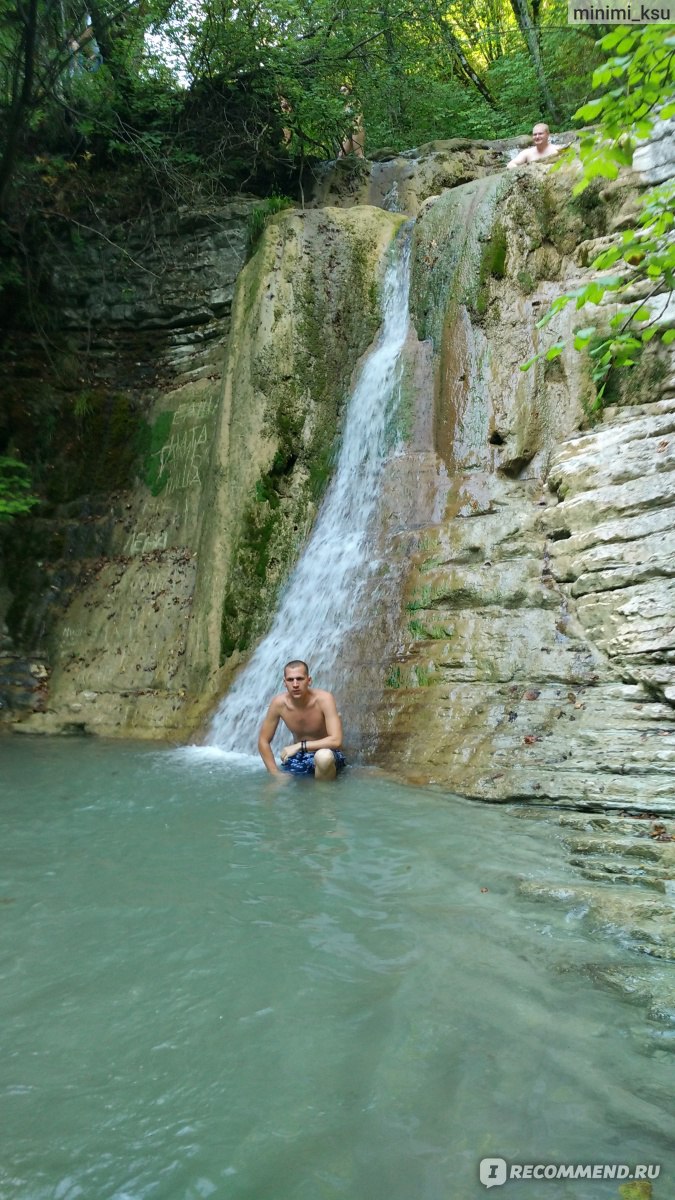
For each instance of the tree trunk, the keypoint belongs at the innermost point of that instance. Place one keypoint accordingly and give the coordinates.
(455, 46)
(529, 32)
(21, 99)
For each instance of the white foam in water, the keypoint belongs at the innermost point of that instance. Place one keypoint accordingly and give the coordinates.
(324, 598)
(215, 754)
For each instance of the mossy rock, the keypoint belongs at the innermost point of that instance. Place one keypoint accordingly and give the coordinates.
(96, 447)
(636, 1189)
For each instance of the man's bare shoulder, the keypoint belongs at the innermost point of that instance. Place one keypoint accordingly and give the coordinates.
(520, 160)
(323, 697)
(278, 702)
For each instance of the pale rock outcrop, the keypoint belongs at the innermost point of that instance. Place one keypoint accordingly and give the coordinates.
(537, 649)
(407, 182)
(655, 158)
(620, 537)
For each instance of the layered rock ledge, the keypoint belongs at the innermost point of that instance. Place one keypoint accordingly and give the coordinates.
(536, 647)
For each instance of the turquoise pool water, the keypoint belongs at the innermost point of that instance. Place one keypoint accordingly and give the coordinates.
(216, 985)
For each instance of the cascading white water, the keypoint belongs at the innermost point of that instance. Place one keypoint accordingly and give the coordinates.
(323, 599)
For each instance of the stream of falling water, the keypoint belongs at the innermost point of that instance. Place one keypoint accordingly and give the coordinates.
(324, 597)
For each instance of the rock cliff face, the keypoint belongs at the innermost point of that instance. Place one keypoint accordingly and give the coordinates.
(536, 650)
(94, 597)
(533, 655)
(123, 606)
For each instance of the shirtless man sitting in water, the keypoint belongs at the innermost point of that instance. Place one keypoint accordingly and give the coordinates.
(314, 722)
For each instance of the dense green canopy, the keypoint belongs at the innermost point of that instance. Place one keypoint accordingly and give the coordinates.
(249, 92)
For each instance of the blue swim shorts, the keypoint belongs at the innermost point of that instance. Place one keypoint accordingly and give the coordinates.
(302, 763)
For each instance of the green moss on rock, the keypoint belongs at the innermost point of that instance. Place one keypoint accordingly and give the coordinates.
(457, 249)
(492, 266)
(151, 440)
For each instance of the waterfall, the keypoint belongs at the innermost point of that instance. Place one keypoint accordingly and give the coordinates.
(323, 600)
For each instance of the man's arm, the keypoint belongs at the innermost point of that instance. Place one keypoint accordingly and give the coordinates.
(520, 160)
(333, 738)
(267, 732)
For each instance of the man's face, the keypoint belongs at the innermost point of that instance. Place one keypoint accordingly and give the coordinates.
(540, 136)
(297, 682)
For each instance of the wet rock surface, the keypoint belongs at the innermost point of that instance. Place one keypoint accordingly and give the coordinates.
(408, 181)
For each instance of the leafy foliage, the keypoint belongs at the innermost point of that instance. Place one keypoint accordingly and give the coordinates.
(260, 217)
(247, 94)
(186, 103)
(641, 73)
(15, 497)
(638, 81)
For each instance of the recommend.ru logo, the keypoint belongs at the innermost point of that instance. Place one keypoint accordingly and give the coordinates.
(494, 1171)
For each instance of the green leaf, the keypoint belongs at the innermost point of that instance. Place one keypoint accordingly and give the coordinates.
(602, 75)
(583, 337)
(554, 351)
(668, 337)
(643, 129)
(591, 294)
(530, 362)
(607, 258)
(612, 39)
(623, 154)
(589, 112)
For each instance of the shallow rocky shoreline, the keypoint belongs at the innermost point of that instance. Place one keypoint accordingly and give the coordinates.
(626, 891)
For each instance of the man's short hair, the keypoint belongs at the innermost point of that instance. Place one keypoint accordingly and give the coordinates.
(296, 662)
(541, 125)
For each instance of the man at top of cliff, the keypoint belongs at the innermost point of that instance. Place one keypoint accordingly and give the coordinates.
(354, 141)
(542, 151)
(314, 721)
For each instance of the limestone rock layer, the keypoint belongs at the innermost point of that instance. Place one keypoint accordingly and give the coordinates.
(536, 654)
